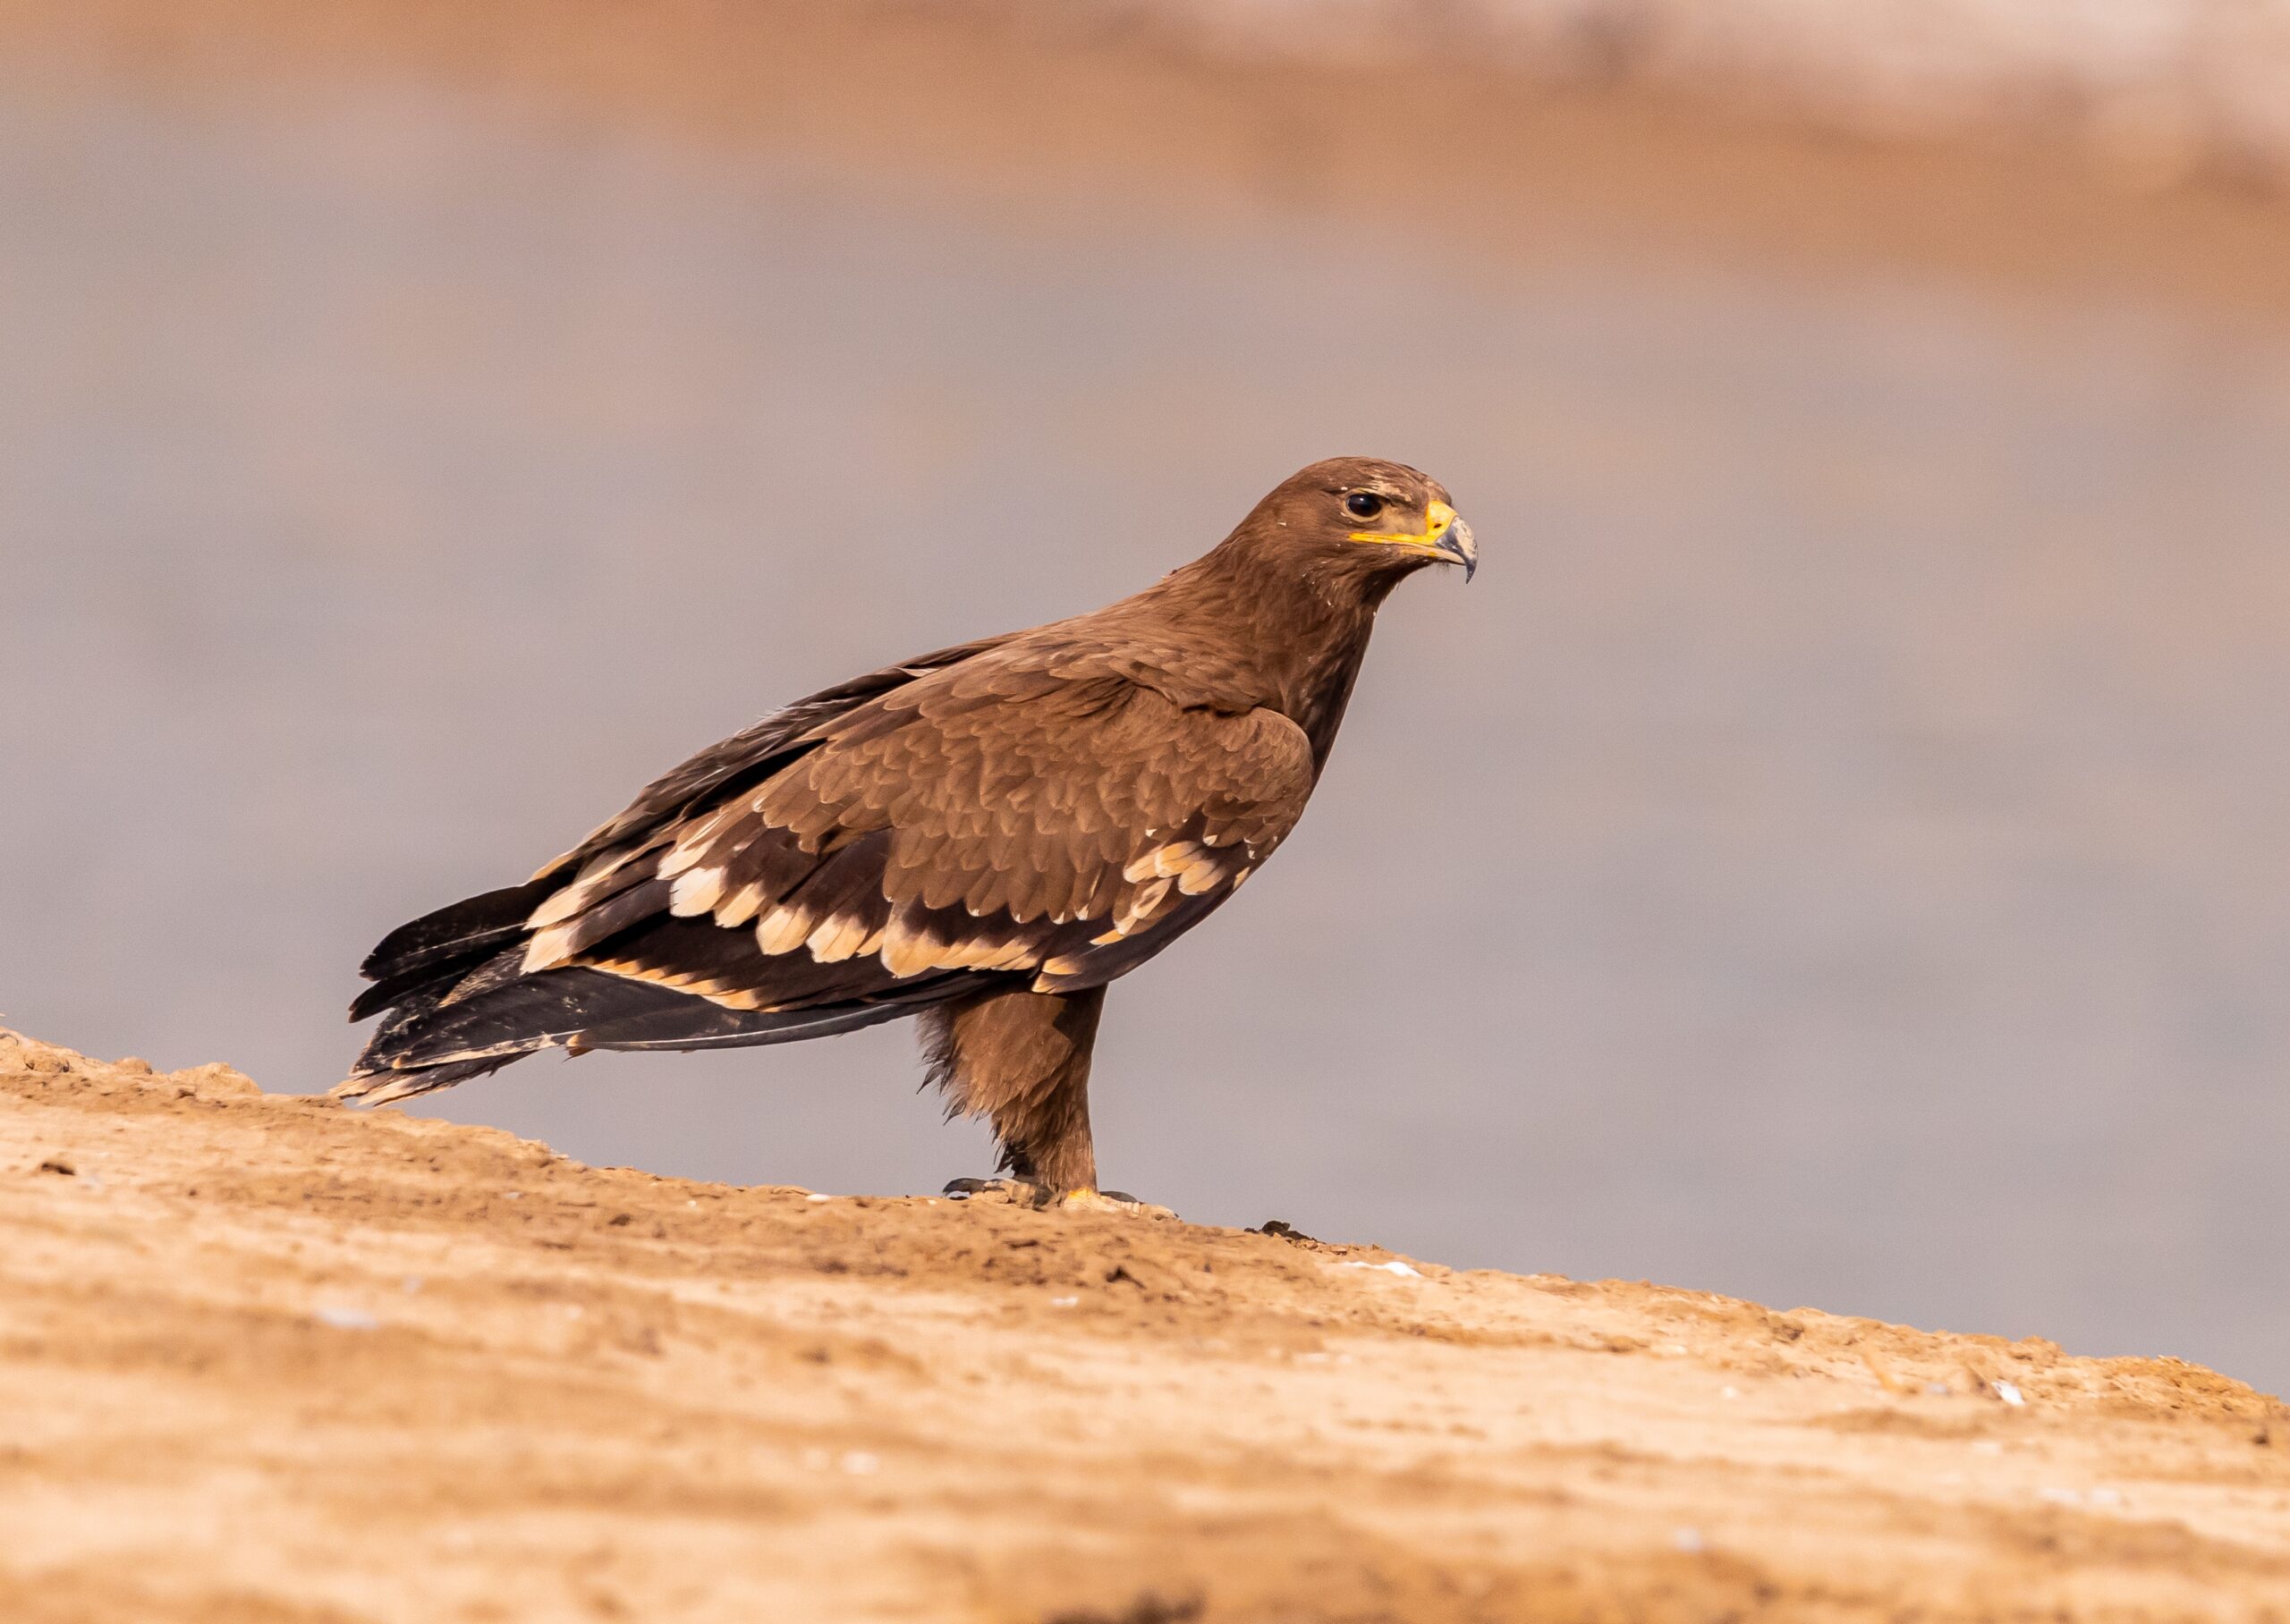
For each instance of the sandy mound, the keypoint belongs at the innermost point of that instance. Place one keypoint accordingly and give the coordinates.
(269, 1359)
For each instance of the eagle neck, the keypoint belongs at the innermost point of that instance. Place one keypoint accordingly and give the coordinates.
(1296, 637)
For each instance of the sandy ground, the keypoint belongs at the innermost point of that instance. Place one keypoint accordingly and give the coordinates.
(264, 1358)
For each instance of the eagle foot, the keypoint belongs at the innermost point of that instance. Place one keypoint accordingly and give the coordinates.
(1020, 1192)
(1110, 1201)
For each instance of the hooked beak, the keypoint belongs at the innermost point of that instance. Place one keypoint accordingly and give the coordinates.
(1455, 543)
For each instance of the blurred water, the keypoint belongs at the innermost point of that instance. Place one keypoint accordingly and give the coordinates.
(1835, 853)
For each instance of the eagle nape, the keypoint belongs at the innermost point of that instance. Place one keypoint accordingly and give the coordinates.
(984, 837)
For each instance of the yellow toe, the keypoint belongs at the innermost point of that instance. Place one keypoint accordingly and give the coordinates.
(1096, 1201)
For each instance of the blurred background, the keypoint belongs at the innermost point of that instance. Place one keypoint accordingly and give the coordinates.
(1835, 853)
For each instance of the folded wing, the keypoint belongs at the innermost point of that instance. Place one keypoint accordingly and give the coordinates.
(1006, 815)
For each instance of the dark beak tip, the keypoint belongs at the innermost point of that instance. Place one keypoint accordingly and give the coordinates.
(1458, 547)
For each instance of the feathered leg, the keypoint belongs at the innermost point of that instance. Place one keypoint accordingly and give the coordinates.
(1021, 1059)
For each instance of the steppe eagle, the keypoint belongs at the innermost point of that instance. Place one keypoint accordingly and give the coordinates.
(984, 837)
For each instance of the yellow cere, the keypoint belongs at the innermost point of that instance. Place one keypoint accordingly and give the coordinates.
(1437, 518)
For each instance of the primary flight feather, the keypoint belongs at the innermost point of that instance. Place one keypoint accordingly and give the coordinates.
(985, 837)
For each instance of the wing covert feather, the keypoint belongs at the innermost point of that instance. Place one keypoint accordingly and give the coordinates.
(999, 816)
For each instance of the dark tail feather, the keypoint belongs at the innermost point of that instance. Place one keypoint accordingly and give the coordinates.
(468, 928)
(673, 1029)
(429, 1044)
(382, 1087)
(407, 988)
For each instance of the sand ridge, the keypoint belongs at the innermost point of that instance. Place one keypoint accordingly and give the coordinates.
(262, 1357)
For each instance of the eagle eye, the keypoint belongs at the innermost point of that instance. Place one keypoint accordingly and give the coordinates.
(1363, 505)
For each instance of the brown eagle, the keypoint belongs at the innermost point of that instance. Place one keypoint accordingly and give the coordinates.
(984, 837)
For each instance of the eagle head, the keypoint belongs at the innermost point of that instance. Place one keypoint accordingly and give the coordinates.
(1367, 516)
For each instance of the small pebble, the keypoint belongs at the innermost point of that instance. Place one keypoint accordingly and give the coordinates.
(813, 1198)
(2009, 1394)
(1063, 1302)
(348, 1319)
